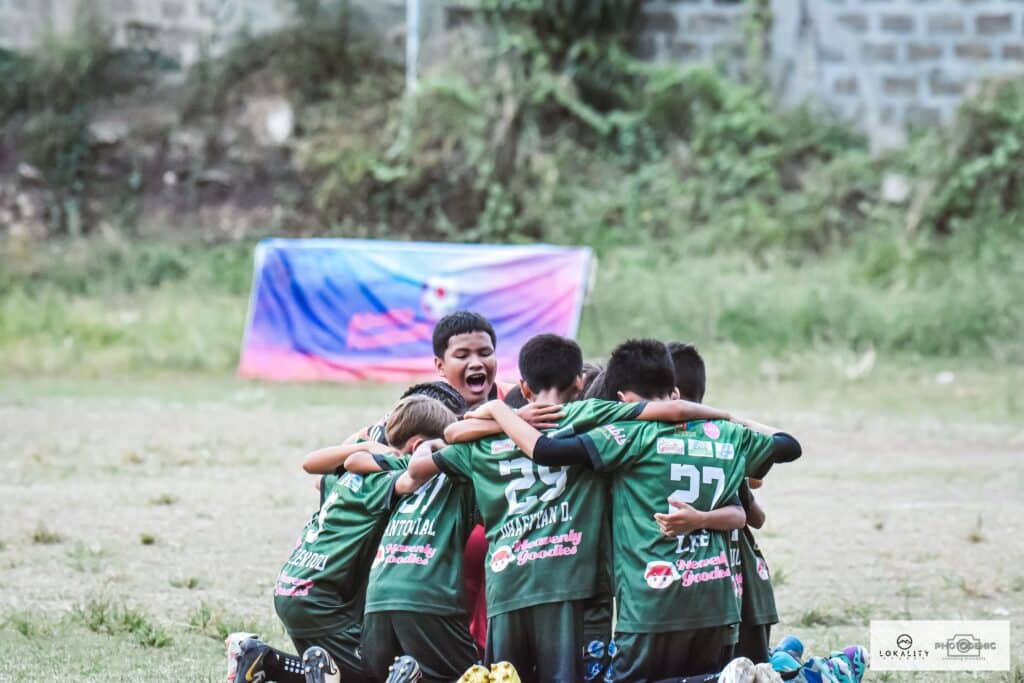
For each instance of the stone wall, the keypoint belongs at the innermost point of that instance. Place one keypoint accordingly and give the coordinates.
(881, 63)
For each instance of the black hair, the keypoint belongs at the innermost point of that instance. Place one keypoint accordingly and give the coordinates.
(440, 391)
(514, 398)
(691, 377)
(642, 366)
(549, 361)
(596, 389)
(459, 322)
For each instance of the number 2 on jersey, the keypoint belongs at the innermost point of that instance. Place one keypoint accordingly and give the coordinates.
(694, 477)
(554, 478)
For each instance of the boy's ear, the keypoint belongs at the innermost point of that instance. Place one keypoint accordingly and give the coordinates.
(413, 443)
(523, 387)
(621, 395)
(675, 393)
(439, 364)
(578, 384)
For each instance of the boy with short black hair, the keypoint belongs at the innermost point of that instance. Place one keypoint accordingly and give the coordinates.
(676, 599)
(319, 594)
(464, 344)
(543, 523)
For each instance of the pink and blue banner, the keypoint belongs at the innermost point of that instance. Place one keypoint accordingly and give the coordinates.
(339, 309)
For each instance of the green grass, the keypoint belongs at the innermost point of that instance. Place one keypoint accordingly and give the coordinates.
(96, 310)
(101, 615)
(163, 499)
(42, 535)
(211, 622)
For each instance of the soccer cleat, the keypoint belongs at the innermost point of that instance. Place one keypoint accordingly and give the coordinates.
(404, 670)
(475, 674)
(249, 665)
(233, 645)
(504, 672)
(318, 666)
(739, 670)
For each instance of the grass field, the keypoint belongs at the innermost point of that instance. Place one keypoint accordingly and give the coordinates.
(144, 518)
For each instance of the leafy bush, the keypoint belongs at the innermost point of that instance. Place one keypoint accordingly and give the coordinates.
(983, 168)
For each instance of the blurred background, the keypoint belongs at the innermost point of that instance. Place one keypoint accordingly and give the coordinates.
(825, 196)
(842, 175)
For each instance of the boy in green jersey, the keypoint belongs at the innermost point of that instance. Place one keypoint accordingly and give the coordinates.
(542, 523)
(676, 598)
(415, 602)
(757, 603)
(320, 591)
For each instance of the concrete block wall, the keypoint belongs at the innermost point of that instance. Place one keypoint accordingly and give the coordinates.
(179, 28)
(876, 62)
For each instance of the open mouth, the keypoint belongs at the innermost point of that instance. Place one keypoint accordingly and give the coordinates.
(476, 381)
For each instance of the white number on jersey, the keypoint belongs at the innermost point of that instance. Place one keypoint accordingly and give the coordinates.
(553, 477)
(427, 492)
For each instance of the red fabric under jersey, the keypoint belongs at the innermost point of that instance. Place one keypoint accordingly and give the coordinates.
(476, 597)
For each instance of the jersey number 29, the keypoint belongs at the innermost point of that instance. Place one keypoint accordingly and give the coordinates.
(553, 477)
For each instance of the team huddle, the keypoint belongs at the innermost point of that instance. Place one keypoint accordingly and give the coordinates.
(591, 523)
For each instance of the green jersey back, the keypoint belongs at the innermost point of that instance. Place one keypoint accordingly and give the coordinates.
(758, 605)
(543, 524)
(418, 565)
(329, 565)
(672, 584)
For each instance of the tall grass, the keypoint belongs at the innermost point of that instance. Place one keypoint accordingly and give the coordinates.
(96, 309)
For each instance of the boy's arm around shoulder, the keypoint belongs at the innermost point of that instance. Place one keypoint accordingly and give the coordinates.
(678, 410)
(422, 468)
(480, 423)
(328, 460)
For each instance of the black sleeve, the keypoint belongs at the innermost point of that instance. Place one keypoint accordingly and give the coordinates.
(442, 464)
(556, 452)
(638, 408)
(786, 448)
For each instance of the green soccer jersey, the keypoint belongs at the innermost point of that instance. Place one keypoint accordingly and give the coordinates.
(329, 565)
(418, 564)
(673, 584)
(543, 524)
(758, 606)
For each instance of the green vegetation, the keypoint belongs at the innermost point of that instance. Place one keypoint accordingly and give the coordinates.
(212, 623)
(716, 217)
(101, 615)
(42, 535)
